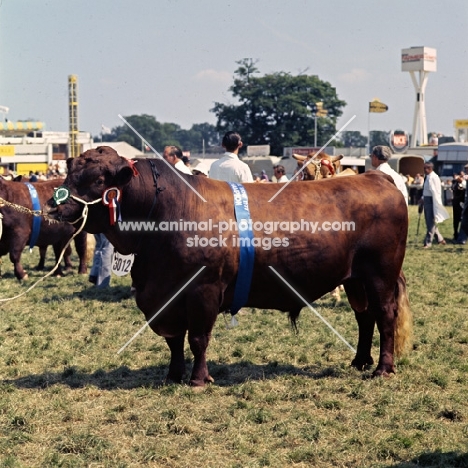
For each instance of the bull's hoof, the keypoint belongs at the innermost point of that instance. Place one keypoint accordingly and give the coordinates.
(360, 363)
(172, 380)
(24, 277)
(384, 372)
(82, 271)
(201, 383)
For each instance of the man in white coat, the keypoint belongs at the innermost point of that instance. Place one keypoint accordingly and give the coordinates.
(379, 159)
(434, 210)
(230, 168)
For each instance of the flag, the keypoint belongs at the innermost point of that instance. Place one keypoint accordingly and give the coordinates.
(377, 106)
(105, 130)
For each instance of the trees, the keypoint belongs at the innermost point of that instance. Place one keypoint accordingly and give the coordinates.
(353, 139)
(378, 137)
(158, 134)
(278, 108)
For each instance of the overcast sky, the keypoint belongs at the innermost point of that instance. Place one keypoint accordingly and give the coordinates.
(174, 58)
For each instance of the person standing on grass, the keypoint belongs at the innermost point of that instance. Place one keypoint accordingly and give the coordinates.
(434, 210)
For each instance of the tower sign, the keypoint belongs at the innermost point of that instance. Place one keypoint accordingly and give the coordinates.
(422, 60)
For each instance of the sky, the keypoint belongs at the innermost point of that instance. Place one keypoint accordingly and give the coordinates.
(174, 59)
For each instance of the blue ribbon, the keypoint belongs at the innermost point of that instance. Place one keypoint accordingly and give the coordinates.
(36, 223)
(247, 249)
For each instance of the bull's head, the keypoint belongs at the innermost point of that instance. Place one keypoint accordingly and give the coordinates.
(318, 166)
(89, 176)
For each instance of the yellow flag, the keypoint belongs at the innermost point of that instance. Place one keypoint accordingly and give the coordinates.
(377, 106)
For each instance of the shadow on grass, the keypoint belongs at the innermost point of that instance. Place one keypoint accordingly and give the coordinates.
(437, 459)
(154, 376)
(110, 294)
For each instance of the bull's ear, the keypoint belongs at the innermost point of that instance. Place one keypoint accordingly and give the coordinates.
(123, 176)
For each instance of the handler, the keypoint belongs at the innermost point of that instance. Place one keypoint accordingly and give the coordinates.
(434, 211)
(230, 168)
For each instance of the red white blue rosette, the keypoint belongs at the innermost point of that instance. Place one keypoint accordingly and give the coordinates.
(111, 198)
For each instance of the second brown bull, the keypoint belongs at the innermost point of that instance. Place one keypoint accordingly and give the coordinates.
(17, 226)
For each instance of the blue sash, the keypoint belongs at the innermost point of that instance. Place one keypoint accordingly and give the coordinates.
(247, 250)
(36, 222)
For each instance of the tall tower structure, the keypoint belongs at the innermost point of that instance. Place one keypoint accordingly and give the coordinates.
(422, 60)
(73, 149)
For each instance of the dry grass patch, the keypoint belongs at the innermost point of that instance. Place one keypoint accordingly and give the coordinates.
(280, 399)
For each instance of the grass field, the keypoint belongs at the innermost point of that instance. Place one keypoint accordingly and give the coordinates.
(280, 399)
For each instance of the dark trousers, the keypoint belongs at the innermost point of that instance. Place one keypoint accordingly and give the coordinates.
(457, 214)
(431, 225)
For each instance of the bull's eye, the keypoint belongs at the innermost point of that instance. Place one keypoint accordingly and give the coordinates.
(99, 181)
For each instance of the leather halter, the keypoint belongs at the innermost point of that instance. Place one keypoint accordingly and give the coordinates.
(318, 165)
(327, 163)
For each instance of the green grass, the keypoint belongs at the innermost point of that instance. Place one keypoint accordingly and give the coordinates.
(280, 399)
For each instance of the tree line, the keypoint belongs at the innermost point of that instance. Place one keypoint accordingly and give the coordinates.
(276, 109)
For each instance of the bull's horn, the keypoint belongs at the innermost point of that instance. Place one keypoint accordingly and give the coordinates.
(298, 157)
(336, 158)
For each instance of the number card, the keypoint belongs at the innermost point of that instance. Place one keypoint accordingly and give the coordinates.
(122, 264)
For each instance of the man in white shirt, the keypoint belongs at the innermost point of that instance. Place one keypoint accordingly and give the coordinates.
(173, 155)
(379, 159)
(434, 211)
(279, 174)
(229, 167)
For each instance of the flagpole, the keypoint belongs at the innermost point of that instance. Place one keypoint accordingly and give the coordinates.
(368, 132)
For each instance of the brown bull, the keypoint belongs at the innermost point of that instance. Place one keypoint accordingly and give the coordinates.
(367, 260)
(17, 227)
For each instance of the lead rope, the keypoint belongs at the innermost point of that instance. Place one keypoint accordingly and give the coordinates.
(84, 217)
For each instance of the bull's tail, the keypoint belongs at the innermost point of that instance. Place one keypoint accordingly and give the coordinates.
(404, 319)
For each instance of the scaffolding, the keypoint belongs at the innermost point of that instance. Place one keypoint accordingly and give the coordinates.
(73, 149)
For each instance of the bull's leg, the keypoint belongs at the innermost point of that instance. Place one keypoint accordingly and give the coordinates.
(81, 249)
(42, 255)
(57, 251)
(177, 365)
(366, 324)
(198, 345)
(15, 256)
(202, 310)
(383, 306)
(386, 319)
(67, 259)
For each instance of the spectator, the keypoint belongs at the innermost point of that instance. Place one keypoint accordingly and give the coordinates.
(279, 174)
(379, 159)
(186, 161)
(229, 167)
(173, 155)
(434, 211)
(458, 189)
